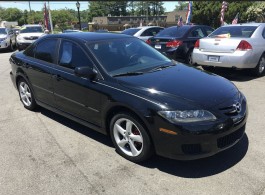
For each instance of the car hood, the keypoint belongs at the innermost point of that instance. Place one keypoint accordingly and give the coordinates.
(182, 82)
(31, 34)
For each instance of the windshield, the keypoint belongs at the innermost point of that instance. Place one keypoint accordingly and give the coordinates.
(31, 29)
(3, 31)
(173, 32)
(130, 31)
(119, 56)
(234, 31)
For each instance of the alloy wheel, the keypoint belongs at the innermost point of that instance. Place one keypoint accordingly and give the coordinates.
(262, 65)
(128, 137)
(25, 94)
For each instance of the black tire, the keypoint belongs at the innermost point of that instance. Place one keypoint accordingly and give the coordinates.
(259, 70)
(189, 58)
(26, 95)
(11, 47)
(142, 151)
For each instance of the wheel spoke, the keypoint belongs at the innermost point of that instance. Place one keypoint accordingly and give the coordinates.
(134, 151)
(119, 129)
(22, 90)
(122, 143)
(136, 138)
(129, 126)
(28, 94)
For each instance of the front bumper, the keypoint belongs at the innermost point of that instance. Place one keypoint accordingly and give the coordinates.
(195, 141)
(4, 44)
(237, 59)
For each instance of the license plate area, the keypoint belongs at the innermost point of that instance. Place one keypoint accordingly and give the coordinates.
(213, 58)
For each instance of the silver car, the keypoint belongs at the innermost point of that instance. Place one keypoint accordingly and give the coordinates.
(143, 32)
(233, 46)
(7, 39)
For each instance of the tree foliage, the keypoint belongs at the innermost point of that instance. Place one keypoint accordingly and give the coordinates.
(209, 12)
(256, 12)
(182, 5)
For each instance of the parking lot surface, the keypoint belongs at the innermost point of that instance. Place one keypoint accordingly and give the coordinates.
(44, 153)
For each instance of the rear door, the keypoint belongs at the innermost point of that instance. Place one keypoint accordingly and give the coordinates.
(74, 95)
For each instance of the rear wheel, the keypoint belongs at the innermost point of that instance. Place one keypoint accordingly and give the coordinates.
(189, 58)
(259, 70)
(130, 138)
(26, 95)
(11, 46)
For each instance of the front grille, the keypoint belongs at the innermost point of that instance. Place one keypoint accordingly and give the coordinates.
(231, 138)
(191, 148)
(31, 38)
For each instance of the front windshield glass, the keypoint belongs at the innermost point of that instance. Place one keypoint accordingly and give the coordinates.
(31, 29)
(3, 31)
(128, 55)
(234, 31)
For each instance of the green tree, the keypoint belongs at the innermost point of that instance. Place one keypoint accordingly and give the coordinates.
(63, 18)
(182, 5)
(256, 12)
(12, 14)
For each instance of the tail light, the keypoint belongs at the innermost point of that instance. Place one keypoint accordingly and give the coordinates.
(174, 43)
(243, 46)
(197, 44)
(148, 41)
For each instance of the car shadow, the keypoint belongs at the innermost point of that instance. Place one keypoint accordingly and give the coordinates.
(187, 169)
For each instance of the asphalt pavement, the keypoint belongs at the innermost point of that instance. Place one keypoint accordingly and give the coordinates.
(44, 153)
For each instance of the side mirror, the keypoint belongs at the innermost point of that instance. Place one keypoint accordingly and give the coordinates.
(86, 72)
(46, 31)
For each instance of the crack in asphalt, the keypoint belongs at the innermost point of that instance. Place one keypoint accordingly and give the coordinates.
(93, 190)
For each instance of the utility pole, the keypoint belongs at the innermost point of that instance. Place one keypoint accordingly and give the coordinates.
(50, 17)
(29, 7)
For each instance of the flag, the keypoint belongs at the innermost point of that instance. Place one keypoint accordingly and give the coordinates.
(189, 13)
(235, 19)
(180, 21)
(224, 8)
(46, 21)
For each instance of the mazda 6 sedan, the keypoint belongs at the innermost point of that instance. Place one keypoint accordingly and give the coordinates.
(120, 86)
(240, 46)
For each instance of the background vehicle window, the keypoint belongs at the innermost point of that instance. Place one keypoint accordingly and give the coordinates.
(151, 32)
(196, 33)
(208, 31)
(235, 31)
(46, 50)
(72, 56)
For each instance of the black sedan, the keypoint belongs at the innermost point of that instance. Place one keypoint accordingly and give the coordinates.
(118, 85)
(178, 42)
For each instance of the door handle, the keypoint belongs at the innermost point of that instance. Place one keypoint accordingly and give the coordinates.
(57, 77)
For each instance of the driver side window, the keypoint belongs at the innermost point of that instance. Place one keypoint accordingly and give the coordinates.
(72, 56)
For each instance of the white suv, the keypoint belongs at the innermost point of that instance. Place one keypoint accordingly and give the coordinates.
(7, 39)
(28, 34)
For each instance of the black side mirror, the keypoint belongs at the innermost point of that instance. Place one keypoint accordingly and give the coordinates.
(86, 72)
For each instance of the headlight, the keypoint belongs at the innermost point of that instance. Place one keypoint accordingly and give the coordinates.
(187, 116)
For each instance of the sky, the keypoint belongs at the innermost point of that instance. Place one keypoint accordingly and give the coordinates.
(37, 5)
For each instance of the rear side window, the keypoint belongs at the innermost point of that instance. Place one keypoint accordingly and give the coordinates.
(71, 55)
(30, 51)
(197, 33)
(130, 31)
(173, 32)
(235, 31)
(46, 50)
(151, 31)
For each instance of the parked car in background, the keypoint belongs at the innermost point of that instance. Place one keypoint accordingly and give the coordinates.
(118, 85)
(143, 32)
(28, 34)
(178, 42)
(71, 31)
(237, 46)
(7, 39)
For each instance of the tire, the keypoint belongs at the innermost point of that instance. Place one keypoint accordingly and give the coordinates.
(26, 95)
(208, 68)
(11, 47)
(259, 70)
(189, 58)
(130, 138)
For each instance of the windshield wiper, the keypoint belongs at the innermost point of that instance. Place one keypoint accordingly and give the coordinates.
(158, 68)
(128, 74)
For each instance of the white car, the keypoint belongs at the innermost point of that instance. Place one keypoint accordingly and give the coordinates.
(143, 32)
(7, 39)
(237, 46)
(28, 34)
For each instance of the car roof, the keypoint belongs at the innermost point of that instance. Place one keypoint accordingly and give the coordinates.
(246, 24)
(31, 25)
(90, 36)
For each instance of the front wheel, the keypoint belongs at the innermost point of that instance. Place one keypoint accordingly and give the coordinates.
(259, 70)
(130, 138)
(26, 95)
(189, 58)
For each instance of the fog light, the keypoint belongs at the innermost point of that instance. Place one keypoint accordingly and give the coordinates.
(221, 126)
